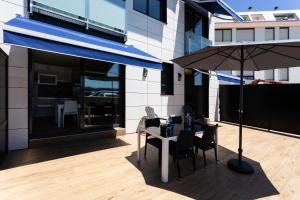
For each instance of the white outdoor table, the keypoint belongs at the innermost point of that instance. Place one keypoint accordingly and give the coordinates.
(155, 132)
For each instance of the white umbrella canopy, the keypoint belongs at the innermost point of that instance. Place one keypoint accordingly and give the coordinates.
(257, 56)
(244, 56)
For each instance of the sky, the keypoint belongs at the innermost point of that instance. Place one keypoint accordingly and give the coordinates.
(259, 5)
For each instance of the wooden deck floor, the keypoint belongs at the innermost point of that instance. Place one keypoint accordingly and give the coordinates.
(107, 169)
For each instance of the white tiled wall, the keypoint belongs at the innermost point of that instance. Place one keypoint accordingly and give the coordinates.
(17, 80)
(18, 98)
(213, 98)
(164, 41)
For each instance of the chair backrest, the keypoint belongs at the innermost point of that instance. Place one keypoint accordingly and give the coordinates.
(150, 112)
(209, 134)
(185, 141)
(155, 122)
(70, 107)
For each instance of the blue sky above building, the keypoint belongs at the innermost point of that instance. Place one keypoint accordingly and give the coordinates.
(263, 5)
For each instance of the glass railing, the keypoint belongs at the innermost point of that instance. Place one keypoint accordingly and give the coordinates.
(106, 14)
(195, 42)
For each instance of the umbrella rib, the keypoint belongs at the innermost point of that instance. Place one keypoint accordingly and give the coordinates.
(206, 57)
(249, 55)
(223, 61)
(281, 54)
(263, 51)
(228, 56)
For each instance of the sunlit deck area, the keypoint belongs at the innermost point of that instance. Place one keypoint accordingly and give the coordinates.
(108, 169)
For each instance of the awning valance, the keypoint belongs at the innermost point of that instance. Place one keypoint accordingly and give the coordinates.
(45, 37)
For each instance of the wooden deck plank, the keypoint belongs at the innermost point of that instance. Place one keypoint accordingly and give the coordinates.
(107, 169)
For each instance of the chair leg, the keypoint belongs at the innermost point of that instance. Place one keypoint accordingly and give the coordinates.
(145, 151)
(215, 149)
(159, 156)
(194, 162)
(63, 121)
(204, 158)
(178, 169)
(78, 122)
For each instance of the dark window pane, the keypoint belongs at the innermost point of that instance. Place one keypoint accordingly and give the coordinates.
(198, 79)
(167, 79)
(140, 5)
(227, 36)
(219, 36)
(155, 9)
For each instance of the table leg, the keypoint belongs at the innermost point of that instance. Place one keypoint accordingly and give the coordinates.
(58, 117)
(139, 146)
(217, 144)
(165, 161)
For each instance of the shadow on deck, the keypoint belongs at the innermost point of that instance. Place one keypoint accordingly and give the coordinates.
(59, 149)
(216, 181)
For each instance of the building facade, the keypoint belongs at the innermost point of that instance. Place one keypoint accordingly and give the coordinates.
(50, 93)
(258, 27)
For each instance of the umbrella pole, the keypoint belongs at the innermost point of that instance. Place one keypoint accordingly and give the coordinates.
(239, 165)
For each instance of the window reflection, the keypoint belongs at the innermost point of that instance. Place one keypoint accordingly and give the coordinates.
(102, 94)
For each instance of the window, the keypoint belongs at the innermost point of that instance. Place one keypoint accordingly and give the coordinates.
(140, 5)
(223, 35)
(257, 17)
(167, 79)
(153, 8)
(285, 16)
(283, 74)
(198, 79)
(269, 74)
(195, 31)
(246, 18)
(249, 75)
(269, 34)
(245, 35)
(284, 34)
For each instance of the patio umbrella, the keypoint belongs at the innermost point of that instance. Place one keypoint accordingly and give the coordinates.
(243, 56)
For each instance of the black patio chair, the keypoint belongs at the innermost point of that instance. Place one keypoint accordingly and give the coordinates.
(207, 142)
(156, 142)
(183, 149)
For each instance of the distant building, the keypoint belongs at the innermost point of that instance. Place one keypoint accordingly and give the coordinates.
(262, 26)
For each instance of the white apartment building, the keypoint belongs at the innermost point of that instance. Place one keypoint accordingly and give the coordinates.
(263, 26)
(46, 70)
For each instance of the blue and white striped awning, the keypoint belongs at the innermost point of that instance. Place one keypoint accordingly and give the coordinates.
(228, 78)
(45, 37)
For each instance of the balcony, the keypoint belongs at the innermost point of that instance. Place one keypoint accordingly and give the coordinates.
(194, 42)
(104, 15)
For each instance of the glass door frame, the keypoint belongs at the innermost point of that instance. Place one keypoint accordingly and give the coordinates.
(82, 98)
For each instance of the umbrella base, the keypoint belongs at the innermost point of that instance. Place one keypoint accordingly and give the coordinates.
(243, 168)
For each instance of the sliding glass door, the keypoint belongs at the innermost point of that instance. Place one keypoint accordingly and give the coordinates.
(71, 95)
(3, 104)
(102, 94)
